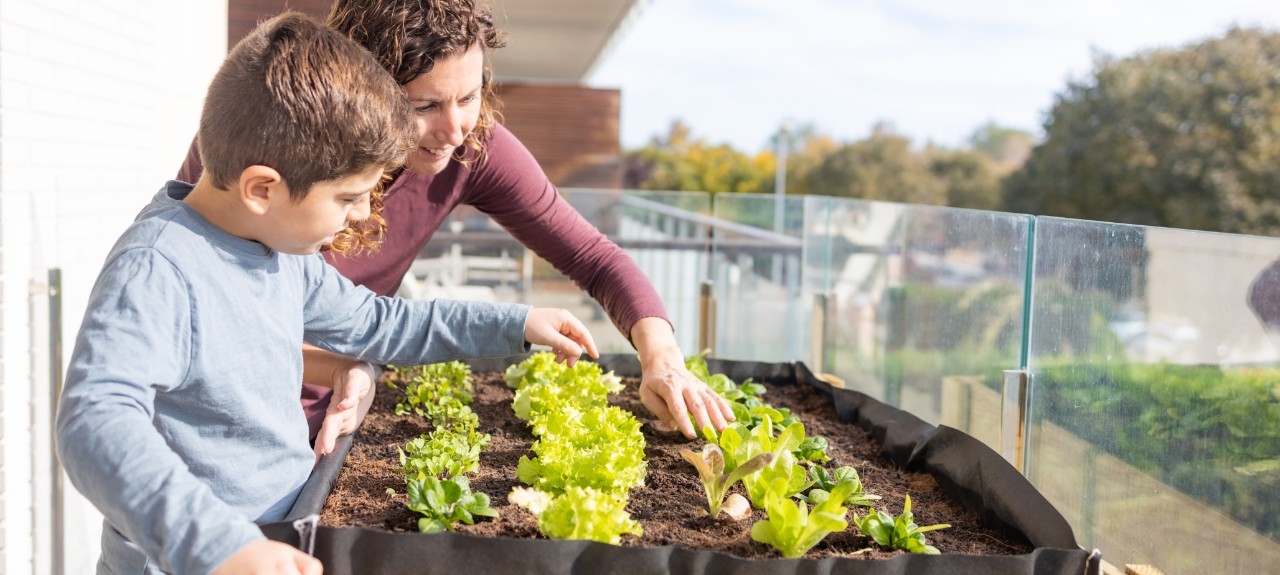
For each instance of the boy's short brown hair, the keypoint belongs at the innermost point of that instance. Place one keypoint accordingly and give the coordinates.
(408, 36)
(296, 96)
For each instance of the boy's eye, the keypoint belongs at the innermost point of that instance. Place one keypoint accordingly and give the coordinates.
(424, 109)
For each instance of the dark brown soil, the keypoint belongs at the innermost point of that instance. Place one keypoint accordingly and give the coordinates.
(671, 506)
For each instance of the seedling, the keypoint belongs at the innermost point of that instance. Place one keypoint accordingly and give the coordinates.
(716, 481)
(793, 529)
(444, 502)
(824, 483)
(900, 532)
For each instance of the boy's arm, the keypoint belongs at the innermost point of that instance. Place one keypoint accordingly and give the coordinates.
(350, 320)
(135, 338)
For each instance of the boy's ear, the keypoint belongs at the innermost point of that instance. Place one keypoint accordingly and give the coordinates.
(258, 185)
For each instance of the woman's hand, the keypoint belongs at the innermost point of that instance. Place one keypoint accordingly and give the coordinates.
(667, 388)
(558, 329)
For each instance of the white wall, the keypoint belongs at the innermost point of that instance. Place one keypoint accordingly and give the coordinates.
(99, 100)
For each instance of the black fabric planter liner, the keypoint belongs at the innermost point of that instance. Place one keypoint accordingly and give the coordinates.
(977, 477)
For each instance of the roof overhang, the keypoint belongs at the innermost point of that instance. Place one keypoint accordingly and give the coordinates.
(558, 41)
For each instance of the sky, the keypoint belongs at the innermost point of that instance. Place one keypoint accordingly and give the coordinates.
(734, 71)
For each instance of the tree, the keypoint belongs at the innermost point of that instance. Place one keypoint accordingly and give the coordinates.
(1186, 138)
(971, 178)
(882, 167)
(1010, 147)
(680, 162)
(806, 148)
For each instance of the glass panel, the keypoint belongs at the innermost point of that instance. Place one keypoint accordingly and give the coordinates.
(666, 233)
(761, 312)
(924, 305)
(1155, 408)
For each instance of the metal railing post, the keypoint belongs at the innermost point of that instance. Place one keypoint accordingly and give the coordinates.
(818, 334)
(1013, 417)
(57, 566)
(706, 320)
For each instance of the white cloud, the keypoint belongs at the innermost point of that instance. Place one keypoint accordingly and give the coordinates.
(735, 69)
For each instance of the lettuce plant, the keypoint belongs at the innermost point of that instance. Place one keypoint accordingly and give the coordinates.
(600, 447)
(792, 528)
(825, 482)
(579, 513)
(538, 367)
(716, 480)
(434, 388)
(781, 478)
(442, 453)
(588, 455)
(900, 532)
(444, 502)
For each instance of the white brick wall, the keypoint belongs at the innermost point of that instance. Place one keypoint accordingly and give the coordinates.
(99, 100)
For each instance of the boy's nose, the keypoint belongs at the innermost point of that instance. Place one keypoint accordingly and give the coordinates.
(360, 212)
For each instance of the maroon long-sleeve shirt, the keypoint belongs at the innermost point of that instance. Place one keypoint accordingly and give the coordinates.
(511, 188)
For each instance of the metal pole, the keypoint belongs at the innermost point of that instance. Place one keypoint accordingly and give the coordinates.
(707, 320)
(818, 334)
(1013, 417)
(780, 178)
(55, 392)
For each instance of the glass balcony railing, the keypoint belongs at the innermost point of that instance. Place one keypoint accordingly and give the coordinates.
(1155, 394)
(1132, 372)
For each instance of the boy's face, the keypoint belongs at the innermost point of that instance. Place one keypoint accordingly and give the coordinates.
(304, 226)
(446, 102)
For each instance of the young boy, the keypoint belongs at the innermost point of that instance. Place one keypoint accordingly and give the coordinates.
(180, 417)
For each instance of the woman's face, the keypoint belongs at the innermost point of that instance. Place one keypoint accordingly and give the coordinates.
(446, 103)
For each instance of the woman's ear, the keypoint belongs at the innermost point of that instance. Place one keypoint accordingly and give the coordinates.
(258, 185)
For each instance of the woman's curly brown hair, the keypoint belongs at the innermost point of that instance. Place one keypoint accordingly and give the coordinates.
(365, 235)
(407, 37)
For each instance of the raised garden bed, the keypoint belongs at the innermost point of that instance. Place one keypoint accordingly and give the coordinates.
(1000, 524)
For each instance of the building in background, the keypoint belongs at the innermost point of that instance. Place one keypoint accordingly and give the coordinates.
(553, 45)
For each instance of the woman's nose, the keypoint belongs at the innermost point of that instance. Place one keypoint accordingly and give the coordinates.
(448, 128)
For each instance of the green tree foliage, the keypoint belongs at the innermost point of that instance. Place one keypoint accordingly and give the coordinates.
(1186, 138)
(680, 162)
(1009, 147)
(970, 178)
(884, 167)
(806, 148)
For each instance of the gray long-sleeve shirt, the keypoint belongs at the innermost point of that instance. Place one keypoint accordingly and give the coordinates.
(180, 417)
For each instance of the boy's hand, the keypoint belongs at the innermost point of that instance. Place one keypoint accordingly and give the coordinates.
(266, 557)
(352, 392)
(559, 330)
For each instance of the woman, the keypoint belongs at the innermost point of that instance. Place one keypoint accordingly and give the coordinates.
(436, 50)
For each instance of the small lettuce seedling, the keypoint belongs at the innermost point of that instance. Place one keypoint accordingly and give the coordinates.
(446, 502)
(793, 529)
(900, 532)
(781, 479)
(432, 390)
(813, 450)
(716, 481)
(825, 482)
